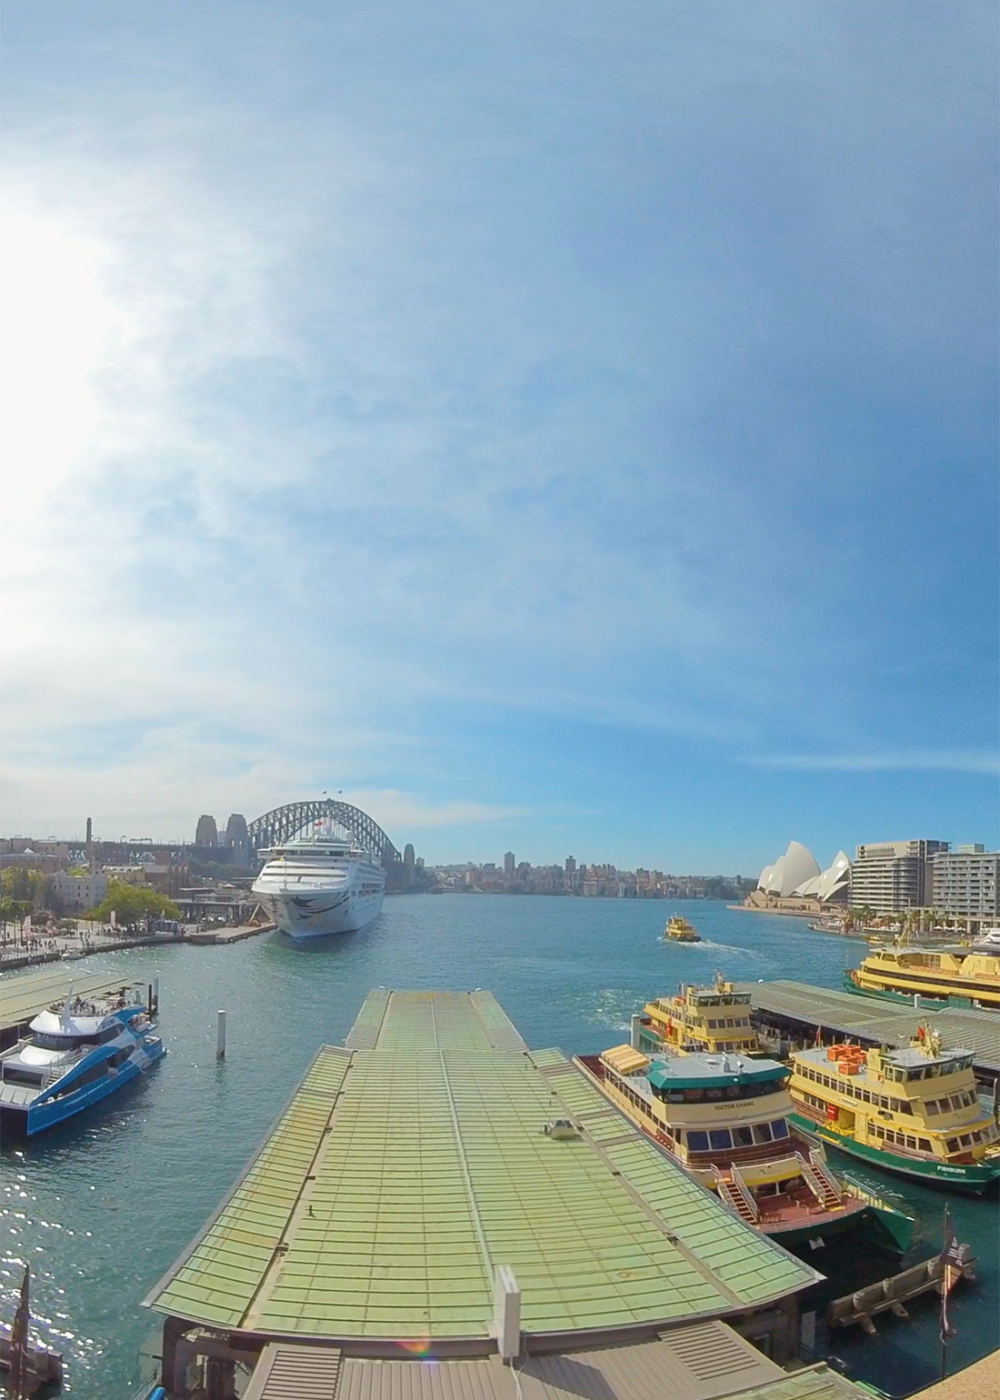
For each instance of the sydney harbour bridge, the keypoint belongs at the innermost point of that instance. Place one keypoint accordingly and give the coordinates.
(274, 828)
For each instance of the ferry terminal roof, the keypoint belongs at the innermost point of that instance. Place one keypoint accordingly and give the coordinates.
(850, 1016)
(411, 1162)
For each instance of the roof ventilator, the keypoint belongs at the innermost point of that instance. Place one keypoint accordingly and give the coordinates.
(561, 1129)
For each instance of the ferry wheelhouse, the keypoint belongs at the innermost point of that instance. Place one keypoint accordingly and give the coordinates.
(724, 1119)
(954, 976)
(678, 930)
(914, 1111)
(78, 1052)
(698, 1020)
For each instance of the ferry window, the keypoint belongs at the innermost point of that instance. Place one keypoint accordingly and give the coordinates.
(742, 1137)
(966, 1140)
(762, 1132)
(779, 1128)
(866, 1095)
(953, 1144)
(697, 1142)
(924, 1144)
(956, 1101)
(932, 1106)
(911, 1142)
(713, 1093)
(905, 1106)
(720, 1138)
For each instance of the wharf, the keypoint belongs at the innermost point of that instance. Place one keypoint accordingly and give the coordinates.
(23, 997)
(799, 1010)
(228, 935)
(411, 1167)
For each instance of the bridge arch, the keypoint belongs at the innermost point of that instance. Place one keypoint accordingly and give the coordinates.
(282, 823)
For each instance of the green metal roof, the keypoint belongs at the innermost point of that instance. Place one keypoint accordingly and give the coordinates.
(401, 1175)
(851, 1015)
(25, 995)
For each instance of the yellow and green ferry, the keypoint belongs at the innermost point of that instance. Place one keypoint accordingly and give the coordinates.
(950, 976)
(711, 1020)
(914, 1111)
(678, 930)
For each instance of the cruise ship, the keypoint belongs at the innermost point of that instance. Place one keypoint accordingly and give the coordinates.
(320, 883)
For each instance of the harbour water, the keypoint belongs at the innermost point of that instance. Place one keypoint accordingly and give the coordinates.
(102, 1206)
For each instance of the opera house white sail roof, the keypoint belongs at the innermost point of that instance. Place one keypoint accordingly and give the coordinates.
(797, 873)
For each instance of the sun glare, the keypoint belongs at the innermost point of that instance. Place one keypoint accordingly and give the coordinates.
(57, 327)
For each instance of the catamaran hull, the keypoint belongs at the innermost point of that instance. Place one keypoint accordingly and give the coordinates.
(37, 1117)
(322, 914)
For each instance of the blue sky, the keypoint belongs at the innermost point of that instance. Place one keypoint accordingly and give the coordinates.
(568, 429)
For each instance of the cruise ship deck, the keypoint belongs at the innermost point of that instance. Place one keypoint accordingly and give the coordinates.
(413, 1162)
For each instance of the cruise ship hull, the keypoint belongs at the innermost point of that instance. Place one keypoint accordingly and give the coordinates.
(321, 912)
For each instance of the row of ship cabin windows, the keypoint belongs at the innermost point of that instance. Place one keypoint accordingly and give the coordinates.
(726, 1046)
(952, 1145)
(843, 1085)
(723, 1139)
(733, 1091)
(714, 1139)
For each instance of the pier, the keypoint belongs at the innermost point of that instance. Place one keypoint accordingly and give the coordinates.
(23, 997)
(409, 1200)
(891, 1294)
(798, 1012)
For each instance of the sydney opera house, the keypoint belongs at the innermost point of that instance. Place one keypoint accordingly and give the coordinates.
(796, 877)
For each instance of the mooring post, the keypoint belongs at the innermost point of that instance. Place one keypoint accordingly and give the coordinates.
(156, 995)
(220, 1036)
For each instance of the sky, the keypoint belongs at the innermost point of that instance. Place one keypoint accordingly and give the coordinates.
(566, 428)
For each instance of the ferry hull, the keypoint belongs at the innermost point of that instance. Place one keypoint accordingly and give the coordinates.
(37, 1117)
(935, 1001)
(971, 1179)
(321, 914)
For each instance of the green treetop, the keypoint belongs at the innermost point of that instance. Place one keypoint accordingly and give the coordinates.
(131, 904)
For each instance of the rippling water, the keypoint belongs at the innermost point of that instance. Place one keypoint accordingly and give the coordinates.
(101, 1207)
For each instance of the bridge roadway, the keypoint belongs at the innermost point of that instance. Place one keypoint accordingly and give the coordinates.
(23, 997)
(797, 1010)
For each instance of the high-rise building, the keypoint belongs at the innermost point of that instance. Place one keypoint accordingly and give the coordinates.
(508, 863)
(206, 832)
(409, 866)
(570, 865)
(893, 875)
(965, 881)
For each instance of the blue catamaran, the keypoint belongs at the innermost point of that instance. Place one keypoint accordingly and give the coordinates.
(78, 1052)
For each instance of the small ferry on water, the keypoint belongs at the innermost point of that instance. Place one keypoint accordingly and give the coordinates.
(950, 976)
(78, 1052)
(678, 930)
(913, 1111)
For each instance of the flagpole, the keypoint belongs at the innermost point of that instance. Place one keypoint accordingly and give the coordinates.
(944, 1299)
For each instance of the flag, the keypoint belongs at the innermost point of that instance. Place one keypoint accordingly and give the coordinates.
(819, 1036)
(18, 1379)
(951, 1258)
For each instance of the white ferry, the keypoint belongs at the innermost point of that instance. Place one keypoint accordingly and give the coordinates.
(319, 883)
